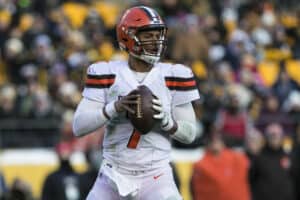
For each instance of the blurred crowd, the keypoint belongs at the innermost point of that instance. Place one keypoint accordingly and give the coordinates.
(245, 55)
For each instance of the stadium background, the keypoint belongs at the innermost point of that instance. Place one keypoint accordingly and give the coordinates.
(240, 47)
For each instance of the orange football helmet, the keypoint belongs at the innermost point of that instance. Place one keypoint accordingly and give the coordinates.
(134, 20)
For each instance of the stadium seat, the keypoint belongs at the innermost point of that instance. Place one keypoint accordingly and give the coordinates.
(109, 13)
(276, 54)
(199, 69)
(269, 71)
(293, 69)
(75, 12)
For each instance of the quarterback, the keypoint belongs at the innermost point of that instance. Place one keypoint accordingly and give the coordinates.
(136, 166)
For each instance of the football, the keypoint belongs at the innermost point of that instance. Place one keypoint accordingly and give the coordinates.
(143, 120)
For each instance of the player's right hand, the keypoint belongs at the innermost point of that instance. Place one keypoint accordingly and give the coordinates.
(126, 103)
(167, 121)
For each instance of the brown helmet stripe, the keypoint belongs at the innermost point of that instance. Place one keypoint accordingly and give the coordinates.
(150, 13)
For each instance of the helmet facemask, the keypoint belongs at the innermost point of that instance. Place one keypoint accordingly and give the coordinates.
(149, 51)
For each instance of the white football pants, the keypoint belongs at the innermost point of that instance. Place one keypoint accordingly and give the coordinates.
(130, 185)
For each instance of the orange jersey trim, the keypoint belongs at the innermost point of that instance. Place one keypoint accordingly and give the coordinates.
(134, 139)
(180, 84)
(100, 81)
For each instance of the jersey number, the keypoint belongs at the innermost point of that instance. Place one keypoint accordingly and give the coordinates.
(134, 139)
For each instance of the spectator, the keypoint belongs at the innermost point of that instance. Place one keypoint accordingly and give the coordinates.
(2, 187)
(292, 107)
(14, 58)
(270, 170)
(296, 47)
(8, 95)
(253, 143)
(87, 179)
(238, 45)
(233, 122)
(191, 44)
(62, 184)
(271, 113)
(211, 103)
(20, 190)
(26, 99)
(283, 86)
(248, 73)
(221, 174)
(295, 170)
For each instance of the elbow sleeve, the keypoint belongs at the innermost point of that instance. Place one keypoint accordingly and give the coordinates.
(86, 122)
(88, 117)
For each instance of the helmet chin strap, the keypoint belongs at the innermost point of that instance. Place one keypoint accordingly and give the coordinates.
(147, 58)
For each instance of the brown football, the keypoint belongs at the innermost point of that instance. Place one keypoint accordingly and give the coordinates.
(143, 120)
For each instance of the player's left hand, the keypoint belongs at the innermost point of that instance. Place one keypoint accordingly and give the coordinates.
(167, 121)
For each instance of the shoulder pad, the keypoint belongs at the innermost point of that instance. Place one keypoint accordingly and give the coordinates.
(99, 75)
(180, 78)
(182, 71)
(98, 68)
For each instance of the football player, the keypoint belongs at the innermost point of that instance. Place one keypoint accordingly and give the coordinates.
(137, 166)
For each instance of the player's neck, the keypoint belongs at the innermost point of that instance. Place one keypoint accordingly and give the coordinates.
(139, 65)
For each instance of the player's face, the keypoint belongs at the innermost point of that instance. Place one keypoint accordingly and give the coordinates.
(151, 40)
(149, 35)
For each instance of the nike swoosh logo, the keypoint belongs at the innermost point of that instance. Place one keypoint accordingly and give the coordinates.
(156, 177)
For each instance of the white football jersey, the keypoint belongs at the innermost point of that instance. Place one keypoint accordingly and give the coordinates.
(122, 145)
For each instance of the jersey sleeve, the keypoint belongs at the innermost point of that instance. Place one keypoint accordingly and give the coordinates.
(182, 84)
(98, 80)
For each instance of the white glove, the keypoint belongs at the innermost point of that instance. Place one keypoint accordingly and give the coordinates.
(167, 123)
